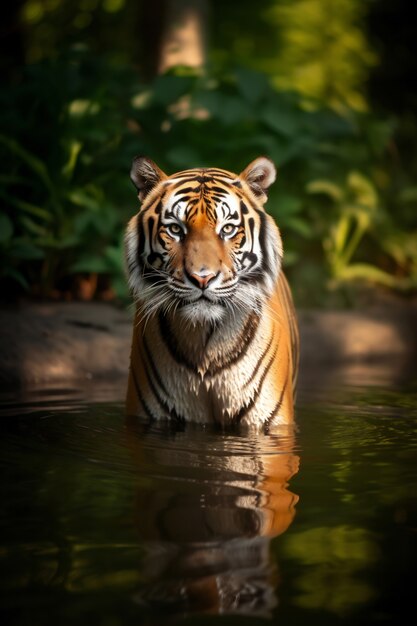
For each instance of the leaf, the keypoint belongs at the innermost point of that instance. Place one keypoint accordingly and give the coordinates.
(81, 223)
(182, 156)
(209, 101)
(290, 257)
(329, 123)
(363, 189)
(287, 204)
(81, 197)
(30, 226)
(300, 226)
(379, 134)
(280, 119)
(11, 179)
(81, 108)
(400, 245)
(252, 85)
(168, 88)
(327, 188)
(115, 257)
(141, 99)
(11, 272)
(96, 264)
(23, 249)
(232, 110)
(27, 207)
(6, 228)
(58, 243)
(408, 194)
(33, 162)
(74, 151)
(340, 234)
(375, 274)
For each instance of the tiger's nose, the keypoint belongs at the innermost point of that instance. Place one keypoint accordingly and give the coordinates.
(201, 279)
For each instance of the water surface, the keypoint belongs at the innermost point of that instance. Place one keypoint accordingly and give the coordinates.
(107, 521)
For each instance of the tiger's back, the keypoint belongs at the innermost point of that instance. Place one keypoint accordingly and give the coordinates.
(215, 336)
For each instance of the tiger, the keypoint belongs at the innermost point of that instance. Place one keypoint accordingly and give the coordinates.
(215, 336)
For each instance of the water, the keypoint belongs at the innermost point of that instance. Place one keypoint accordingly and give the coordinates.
(111, 522)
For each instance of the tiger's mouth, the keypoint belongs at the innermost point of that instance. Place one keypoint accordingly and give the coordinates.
(206, 299)
(202, 310)
(202, 299)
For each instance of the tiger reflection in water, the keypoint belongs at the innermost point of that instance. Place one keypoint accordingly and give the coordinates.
(207, 506)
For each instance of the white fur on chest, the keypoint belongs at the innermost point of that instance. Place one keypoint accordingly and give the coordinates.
(219, 397)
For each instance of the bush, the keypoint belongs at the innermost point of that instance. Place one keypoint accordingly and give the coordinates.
(70, 129)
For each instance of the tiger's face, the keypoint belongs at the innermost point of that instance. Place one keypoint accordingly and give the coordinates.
(202, 244)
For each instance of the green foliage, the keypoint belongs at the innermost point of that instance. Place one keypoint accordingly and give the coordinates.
(70, 129)
(322, 50)
(357, 213)
(63, 191)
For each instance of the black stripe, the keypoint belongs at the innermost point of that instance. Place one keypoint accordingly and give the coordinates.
(262, 242)
(186, 189)
(164, 406)
(140, 235)
(172, 345)
(185, 175)
(251, 224)
(203, 178)
(184, 181)
(153, 367)
(239, 350)
(243, 208)
(220, 190)
(241, 346)
(237, 418)
(156, 205)
(215, 172)
(260, 360)
(151, 224)
(139, 394)
(253, 259)
(277, 407)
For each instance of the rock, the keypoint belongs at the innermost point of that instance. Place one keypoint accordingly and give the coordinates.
(63, 342)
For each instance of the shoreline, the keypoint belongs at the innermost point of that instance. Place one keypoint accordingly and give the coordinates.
(75, 343)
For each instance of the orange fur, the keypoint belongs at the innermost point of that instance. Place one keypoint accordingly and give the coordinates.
(215, 335)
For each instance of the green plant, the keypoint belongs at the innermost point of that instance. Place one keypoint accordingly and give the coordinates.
(69, 131)
(65, 194)
(357, 213)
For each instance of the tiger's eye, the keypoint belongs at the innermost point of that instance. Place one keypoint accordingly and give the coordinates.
(228, 230)
(174, 230)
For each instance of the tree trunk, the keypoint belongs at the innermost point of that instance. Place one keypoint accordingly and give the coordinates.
(184, 34)
(12, 55)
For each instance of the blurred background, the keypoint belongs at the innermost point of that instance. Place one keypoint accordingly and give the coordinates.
(325, 88)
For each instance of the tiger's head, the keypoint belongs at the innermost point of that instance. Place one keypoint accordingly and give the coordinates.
(202, 244)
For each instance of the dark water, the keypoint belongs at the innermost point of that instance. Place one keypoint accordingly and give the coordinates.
(106, 522)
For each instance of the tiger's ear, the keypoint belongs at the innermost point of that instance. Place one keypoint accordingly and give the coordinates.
(145, 175)
(259, 175)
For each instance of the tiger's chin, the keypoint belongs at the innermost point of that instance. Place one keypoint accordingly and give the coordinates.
(202, 312)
